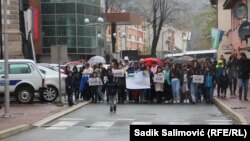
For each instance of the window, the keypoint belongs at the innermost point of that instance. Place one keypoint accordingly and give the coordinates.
(62, 8)
(49, 30)
(49, 41)
(48, 8)
(19, 69)
(2, 68)
(48, 19)
(66, 19)
(66, 31)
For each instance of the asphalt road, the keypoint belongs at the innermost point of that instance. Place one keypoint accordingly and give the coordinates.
(94, 122)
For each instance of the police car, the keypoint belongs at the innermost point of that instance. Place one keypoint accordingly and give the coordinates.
(25, 79)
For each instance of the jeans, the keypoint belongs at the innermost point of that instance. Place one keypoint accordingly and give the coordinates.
(243, 83)
(209, 94)
(100, 93)
(176, 89)
(70, 97)
(194, 91)
(113, 101)
(232, 84)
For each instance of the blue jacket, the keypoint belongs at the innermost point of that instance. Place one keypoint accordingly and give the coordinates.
(84, 82)
(209, 81)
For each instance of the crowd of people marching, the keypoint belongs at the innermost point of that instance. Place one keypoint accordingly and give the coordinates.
(178, 86)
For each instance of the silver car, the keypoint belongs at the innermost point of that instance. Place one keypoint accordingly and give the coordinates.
(52, 83)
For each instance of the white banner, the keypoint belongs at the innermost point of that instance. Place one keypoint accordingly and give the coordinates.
(94, 82)
(138, 80)
(118, 73)
(159, 78)
(198, 79)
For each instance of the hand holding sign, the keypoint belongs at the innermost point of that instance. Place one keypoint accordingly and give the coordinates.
(198, 79)
(118, 73)
(94, 82)
(159, 78)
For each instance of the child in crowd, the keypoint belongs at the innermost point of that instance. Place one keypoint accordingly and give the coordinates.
(224, 82)
(94, 86)
(69, 88)
(159, 87)
(111, 87)
(209, 81)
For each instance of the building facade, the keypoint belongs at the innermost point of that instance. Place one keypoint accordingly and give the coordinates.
(13, 30)
(237, 43)
(230, 24)
(64, 23)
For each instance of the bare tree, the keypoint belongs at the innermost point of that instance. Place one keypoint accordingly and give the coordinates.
(114, 5)
(157, 14)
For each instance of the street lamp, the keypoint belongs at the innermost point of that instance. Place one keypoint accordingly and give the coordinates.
(100, 21)
(123, 35)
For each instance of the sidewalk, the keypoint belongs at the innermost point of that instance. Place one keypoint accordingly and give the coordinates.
(31, 115)
(238, 110)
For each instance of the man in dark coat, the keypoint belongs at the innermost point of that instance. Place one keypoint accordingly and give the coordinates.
(243, 75)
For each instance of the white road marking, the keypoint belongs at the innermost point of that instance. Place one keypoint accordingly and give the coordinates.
(122, 119)
(219, 122)
(179, 123)
(141, 123)
(102, 125)
(72, 119)
(63, 125)
(56, 128)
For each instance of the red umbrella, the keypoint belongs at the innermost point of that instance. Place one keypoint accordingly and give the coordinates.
(149, 61)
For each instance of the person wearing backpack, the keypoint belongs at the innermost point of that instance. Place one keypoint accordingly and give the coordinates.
(111, 87)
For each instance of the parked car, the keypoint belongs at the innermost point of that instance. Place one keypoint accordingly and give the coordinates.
(51, 66)
(51, 92)
(25, 79)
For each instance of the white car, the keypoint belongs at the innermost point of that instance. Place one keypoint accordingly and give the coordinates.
(51, 66)
(25, 79)
(52, 83)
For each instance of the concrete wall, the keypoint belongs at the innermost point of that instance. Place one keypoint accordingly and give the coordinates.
(55, 52)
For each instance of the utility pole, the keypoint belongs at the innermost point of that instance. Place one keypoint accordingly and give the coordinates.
(6, 58)
(1, 30)
(60, 103)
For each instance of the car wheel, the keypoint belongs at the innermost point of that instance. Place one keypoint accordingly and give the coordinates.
(24, 95)
(49, 94)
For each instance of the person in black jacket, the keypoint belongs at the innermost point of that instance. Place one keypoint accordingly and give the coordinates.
(69, 88)
(243, 75)
(232, 74)
(111, 87)
(224, 82)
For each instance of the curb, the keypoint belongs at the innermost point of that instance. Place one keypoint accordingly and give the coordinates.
(18, 129)
(59, 114)
(237, 117)
(15, 130)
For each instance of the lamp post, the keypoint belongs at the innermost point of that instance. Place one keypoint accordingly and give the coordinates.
(100, 21)
(123, 35)
(60, 103)
(6, 58)
(125, 40)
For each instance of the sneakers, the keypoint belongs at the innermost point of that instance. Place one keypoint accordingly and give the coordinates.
(113, 109)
